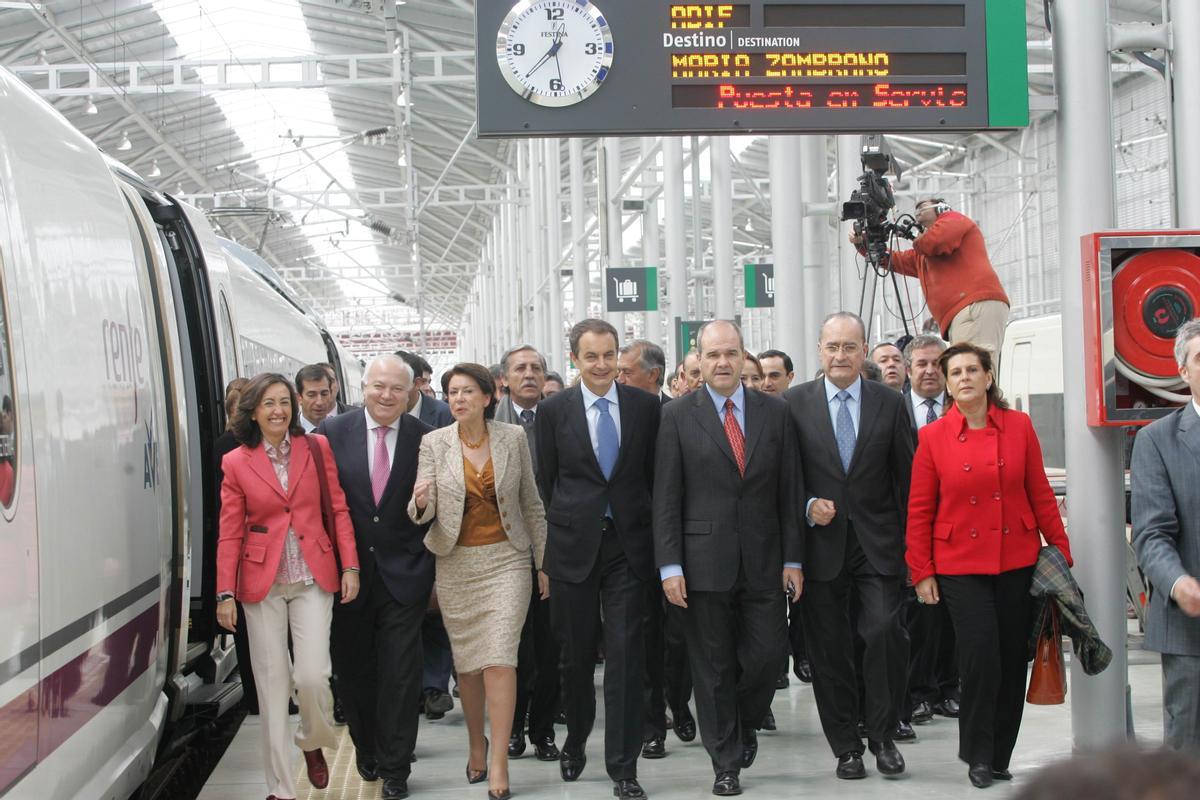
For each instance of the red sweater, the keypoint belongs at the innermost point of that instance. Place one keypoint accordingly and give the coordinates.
(951, 262)
(979, 498)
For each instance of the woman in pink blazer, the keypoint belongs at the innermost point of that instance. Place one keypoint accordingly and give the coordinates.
(275, 557)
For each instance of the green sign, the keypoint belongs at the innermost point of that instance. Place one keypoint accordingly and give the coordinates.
(686, 340)
(631, 289)
(760, 285)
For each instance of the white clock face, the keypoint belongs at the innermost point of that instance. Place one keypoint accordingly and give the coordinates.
(554, 52)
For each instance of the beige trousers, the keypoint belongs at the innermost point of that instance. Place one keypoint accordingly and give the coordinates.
(307, 610)
(982, 324)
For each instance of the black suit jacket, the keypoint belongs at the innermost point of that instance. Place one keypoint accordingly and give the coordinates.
(874, 496)
(385, 535)
(576, 494)
(709, 518)
(435, 413)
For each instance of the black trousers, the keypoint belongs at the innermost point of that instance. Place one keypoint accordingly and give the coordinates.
(574, 610)
(437, 663)
(992, 619)
(796, 645)
(734, 639)
(537, 672)
(829, 629)
(668, 678)
(376, 648)
(932, 662)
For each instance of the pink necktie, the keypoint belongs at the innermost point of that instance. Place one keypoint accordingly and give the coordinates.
(379, 476)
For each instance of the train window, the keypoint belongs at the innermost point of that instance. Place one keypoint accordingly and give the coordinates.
(228, 343)
(8, 411)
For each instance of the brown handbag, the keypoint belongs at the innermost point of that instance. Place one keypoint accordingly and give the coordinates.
(1048, 680)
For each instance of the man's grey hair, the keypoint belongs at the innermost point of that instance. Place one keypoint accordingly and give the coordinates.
(921, 342)
(1187, 331)
(650, 357)
(729, 322)
(850, 315)
(392, 361)
(510, 352)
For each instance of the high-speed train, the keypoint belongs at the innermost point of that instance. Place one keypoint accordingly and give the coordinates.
(122, 317)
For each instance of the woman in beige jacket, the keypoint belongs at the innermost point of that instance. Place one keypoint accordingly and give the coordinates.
(475, 482)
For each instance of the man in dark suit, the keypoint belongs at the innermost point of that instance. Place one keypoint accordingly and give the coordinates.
(376, 642)
(728, 541)
(596, 468)
(668, 680)
(856, 449)
(932, 665)
(1165, 472)
(524, 373)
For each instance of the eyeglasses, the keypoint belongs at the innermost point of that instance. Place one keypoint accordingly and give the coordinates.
(849, 348)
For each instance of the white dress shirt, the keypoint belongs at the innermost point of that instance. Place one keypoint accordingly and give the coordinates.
(416, 410)
(592, 413)
(389, 439)
(920, 409)
(517, 411)
(855, 406)
(308, 426)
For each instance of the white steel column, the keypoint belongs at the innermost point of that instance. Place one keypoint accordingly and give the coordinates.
(616, 246)
(1095, 466)
(651, 252)
(553, 211)
(579, 264)
(525, 249)
(510, 307)
(537, 332)
(787, 243)
(818, 263)
(674, 226)
(721, 183)
(1185, 83)
(849, 167)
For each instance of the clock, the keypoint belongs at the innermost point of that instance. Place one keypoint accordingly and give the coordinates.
(554, 52)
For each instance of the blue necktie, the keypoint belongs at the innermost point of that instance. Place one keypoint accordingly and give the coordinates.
(845, 431)
(606, 436)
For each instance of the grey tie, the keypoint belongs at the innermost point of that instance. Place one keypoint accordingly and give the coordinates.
(845, 431)
(526, 418)
(930, 414)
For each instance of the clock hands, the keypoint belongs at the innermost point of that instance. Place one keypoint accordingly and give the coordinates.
(552, 52)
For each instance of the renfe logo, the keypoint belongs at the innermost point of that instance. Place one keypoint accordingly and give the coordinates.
(124, 355)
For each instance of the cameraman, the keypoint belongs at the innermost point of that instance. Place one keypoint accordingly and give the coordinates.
(961, 288)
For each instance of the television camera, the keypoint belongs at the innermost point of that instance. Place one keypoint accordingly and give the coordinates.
(870, 204)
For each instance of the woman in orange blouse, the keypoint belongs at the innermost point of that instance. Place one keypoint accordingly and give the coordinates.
(475, 482)
(979, 499)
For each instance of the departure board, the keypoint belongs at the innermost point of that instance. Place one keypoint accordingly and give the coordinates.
(650, 67)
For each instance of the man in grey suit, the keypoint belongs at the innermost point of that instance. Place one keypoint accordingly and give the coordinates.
(523, 371)
(1165, 474)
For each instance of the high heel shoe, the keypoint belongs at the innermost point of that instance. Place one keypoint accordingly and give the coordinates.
(503, 794)
(479, 775)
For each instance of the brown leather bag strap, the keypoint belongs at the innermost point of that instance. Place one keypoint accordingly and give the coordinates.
(318, 457)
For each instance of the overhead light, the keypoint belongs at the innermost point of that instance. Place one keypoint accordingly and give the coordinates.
(90, 108)
(402, 98)
(402, 161)
(154, 170)
(124, 144)
(41, 58)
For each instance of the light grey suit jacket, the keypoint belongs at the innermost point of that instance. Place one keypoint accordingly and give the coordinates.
(441, 462)
(1165, 476)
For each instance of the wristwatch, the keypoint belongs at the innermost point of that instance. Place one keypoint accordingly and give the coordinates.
(223, 596)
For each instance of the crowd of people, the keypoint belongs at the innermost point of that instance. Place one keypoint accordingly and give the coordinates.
(877, 529)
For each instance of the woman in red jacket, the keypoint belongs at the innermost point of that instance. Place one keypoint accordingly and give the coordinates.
(275, 557)
(978, 500)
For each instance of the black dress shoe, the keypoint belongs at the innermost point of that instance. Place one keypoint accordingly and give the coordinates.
(436, 703)
(654, 748)
(887, 758)
(980, 775)
(783, 682)
(339, 713)
(368, 770)
(629, 789)
(749, 748)
(516, 745)
(685, 726)
(904, 732)
(922, 712)
(571, 765)
(395, 788)
(803, 670)
(545, 749)
(861, 730)
(768, 723)
(946, 708)
(1001, 775)
(726, 784)
(850, 767)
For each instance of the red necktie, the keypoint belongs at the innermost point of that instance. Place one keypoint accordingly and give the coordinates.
(736, 440)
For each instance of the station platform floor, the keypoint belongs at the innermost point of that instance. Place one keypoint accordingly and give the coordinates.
(793, 762)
